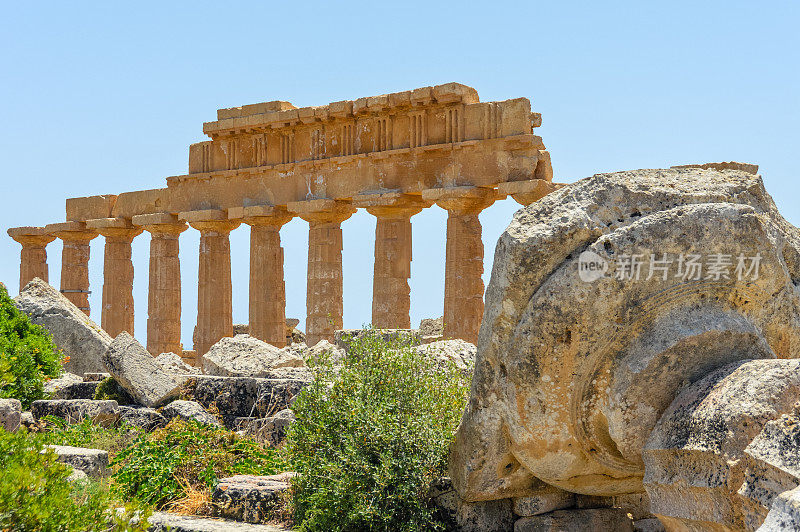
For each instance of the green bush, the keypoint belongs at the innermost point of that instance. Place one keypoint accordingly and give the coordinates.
(35, 494)
(110, 389)
(28, 356)
(161, 467)
(87, 434)
(370, 437)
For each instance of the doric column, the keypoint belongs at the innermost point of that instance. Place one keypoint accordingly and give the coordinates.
(74, 261)
(391, 294)
(267, 287)
(164, 290)
(117, 312)
(463, 282)
(214, 298)
(33, 257)
(324, 293)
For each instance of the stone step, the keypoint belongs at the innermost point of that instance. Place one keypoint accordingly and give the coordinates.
(249, 498)
(104, 413)
(164, 522)
(243, 396)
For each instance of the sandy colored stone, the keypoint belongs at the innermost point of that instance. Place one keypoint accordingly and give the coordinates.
(542, 499)
(10, 414)
(459, 353)
(485, 516)
(93, 462)
(172, 363)
(138, 373)
(246, 356)
(82, 340)
(75, 237)
(244, 396)
(66, 378)
(594, 520)
(784, 515)
(695, 456)
(189, 410)
(33, 257)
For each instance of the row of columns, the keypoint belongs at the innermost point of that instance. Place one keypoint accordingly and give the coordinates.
(463, 306)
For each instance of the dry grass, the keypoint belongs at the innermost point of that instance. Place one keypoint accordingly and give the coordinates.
(196, 502)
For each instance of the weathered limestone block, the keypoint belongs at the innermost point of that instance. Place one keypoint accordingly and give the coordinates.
(93, 462)
(772, 466)
(172, 363)
(82, 340)
(53, 385)
(485, 516)
(459, 353)
(784, 514)
(168, 522)
(104, 413)
(594, 520)
(323, 348)
(10, 414)
(95, 377)
(694, 457)
(141, 417)
(431, 329)
(246, 356)
(269, 430)
(137, 372)
(576, 365)
(248, 498)
(244, 396)
(542, 499)
(189, 410)
(76, 390)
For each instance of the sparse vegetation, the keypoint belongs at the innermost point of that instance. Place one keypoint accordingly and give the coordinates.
(371, 435)
(185, 458)
(86, 434)
(111, 390)
(28, 357)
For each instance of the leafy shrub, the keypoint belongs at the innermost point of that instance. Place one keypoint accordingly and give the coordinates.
(163, 466)
(370, 437)
(110, 389)
(28, 356)
(87, 434)
(35, 494)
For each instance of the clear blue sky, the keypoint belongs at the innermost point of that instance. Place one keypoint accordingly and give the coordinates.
(105, 97)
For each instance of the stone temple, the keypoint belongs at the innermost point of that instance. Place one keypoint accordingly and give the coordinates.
(393, 155)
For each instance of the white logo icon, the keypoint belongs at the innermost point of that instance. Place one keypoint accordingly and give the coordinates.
(591, 266)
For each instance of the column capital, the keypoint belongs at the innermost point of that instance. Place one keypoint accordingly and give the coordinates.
(71, 231)
(209, 220)
(393, 204)
(528, 191)
(462, 200)
(322, 210)
(120, 229)
(31, 236)
(160, 223)
(261, 215)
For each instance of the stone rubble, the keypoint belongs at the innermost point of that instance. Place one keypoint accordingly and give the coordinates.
(175, 365)
(54, 385)
(243, 396)
(137, 372)
(81, 339)
(105, 413)
(10, 414)
(189, 410)
(269, 430)
(248, 498)
(141, 417)
(93, 462)
(246, 356)
(459, 353)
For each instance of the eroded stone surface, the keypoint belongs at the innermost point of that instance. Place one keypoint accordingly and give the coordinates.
(485, 516)
(167, 522)
(459, 353)
(10, 414)
(694, 457)
(572, 374)
(594, 520)
(244, 396)
(270, 430)
(172, 363)
(93, 462)
(137, 372)
(147, 419)
(784, 515)
(76, 390)
(189, 410)
(248, 498)
(81, 339)
(104, 413)
(246, 356)
(67, 378)
(542, 499)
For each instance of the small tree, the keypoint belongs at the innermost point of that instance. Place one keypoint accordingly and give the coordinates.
(371, 434)
(28, 356)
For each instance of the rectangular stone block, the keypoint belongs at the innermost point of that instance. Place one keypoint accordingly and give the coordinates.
(81, 209)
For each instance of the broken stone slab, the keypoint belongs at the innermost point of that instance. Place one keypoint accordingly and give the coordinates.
(695, 457)
(81, 339)
(542, 499)
(574, 370)
(189, 410)
(243, 396)
(105, 413)
(142, 417)
(321, 350)
(431, 329)
(10, 414)
(635, 504)
(784, 515)
(343, 338)
(457, 352)
(93, 462)
(651, 524)
(246, 356)
(593, 520)
(248, 498)
(166, 522)
(485, 516)
(76, 390)
(28, 421)
(66, 379)
(269, 430)
(175, 365)
(137, 372)
(772, 466)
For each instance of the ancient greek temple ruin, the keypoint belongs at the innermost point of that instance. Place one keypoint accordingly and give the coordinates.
(266, 163)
